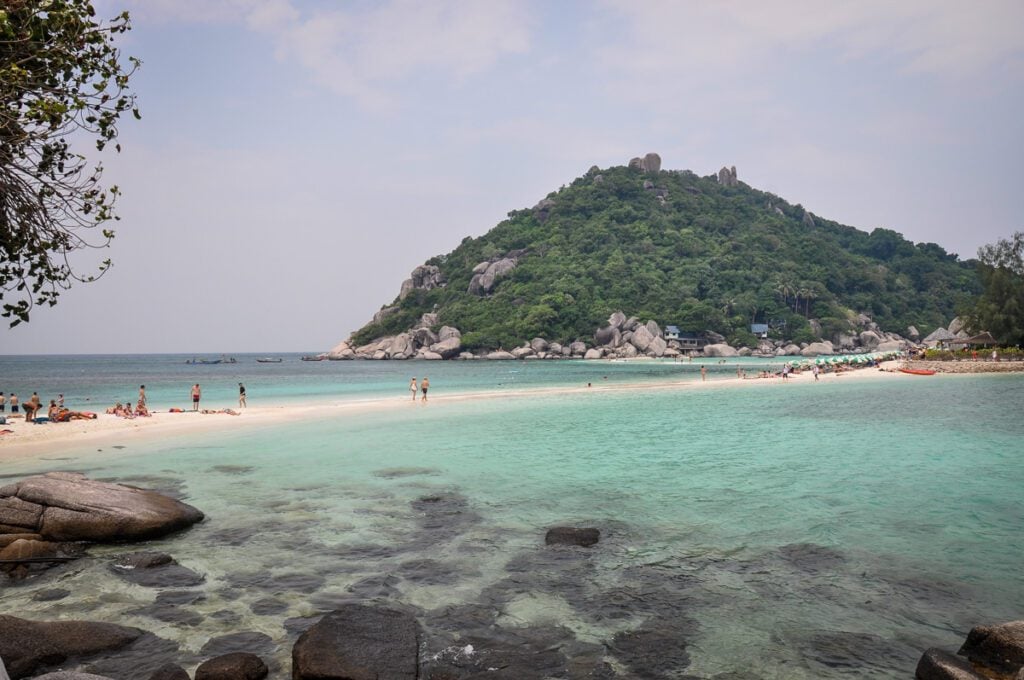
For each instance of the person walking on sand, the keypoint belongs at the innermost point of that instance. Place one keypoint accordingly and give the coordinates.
(142, 394)
(424, 386)
(815, 370)
(413, 388)
(241, 396)
(196, 395)
(703, 373)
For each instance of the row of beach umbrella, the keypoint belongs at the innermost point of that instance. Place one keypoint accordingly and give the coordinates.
(835, 359)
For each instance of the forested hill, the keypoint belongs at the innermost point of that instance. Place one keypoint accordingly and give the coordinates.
(702, 253)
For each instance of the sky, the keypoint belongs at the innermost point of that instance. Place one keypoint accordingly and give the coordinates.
(296, 159)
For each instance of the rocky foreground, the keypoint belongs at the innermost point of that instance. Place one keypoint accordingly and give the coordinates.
(368, 636)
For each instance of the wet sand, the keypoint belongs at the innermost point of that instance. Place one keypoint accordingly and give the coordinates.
(28, 440)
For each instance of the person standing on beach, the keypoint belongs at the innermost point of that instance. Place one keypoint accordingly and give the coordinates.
(196, 394)
(142, 395)
(424, 386)
(60, 401)
(413, 388)
(14, 402)
(815, 370)
(3, 402)
(703, 373)
(241, 396)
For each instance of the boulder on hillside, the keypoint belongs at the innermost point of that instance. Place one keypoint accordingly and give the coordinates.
(425, 337)
(539, 345)
(719, 350)
(447, 348)
(727, 177)
(522, 352)
(401, 344)
(424, 277)
(714, 338)
(628, 351)
(913, 333)
(956, 325)
(483, 284)
(654, 329)
(889, 346)
(642, 338)
(869, 339)
(817, 349)
(383, 314)
(593, 353)
(657, 347)
(359, 642)
(499, 355)
(577, 348)
(790, 350)
(448, 332)
(617, 320)
(67, 506)
(26, 646)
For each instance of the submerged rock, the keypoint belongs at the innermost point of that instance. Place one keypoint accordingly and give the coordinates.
(234, 666)
(358, 642)
(26, 646)
(572, 536)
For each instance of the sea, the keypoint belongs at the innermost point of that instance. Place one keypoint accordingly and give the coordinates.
(804, 530)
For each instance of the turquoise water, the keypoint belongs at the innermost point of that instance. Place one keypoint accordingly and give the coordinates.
(776, 531)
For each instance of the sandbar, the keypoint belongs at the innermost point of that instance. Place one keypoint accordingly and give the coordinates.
(30, 441)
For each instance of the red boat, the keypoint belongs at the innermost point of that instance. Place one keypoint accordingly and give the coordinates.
(917, 371)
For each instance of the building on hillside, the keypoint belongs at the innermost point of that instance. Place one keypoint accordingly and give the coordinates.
(671, 332)
(759, 329)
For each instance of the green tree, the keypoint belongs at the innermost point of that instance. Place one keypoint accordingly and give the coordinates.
(62, 80)
(1000, 308)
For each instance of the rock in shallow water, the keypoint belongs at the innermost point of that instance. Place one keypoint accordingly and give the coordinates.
(66, 506)
(235, 666)
(572, 536)
(1000, 648)
(357, 642)
(27, 646)
(936, 664)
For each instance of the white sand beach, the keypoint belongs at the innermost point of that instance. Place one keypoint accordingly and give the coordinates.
(28, 440)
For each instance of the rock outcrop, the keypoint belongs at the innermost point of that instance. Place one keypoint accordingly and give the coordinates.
(483, 282)
(649, 163)
(424, 277)
(727, 176)
(720, 350)
(67, 506)
(358, 642)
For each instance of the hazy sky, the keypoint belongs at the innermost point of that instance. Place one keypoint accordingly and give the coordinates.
(297, 159)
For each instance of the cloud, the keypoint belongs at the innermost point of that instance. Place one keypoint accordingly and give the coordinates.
(369, 51)
(944, 39)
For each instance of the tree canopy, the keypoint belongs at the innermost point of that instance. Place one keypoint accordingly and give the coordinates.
(1000, 308)
(62, 82)
(682, 250)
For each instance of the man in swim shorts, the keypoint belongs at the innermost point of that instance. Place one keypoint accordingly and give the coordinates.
(424, 386)
(241, 395)
(196, 394)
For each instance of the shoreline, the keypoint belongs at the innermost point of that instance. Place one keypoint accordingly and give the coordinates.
(31, 441)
